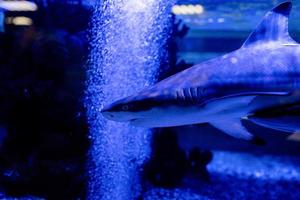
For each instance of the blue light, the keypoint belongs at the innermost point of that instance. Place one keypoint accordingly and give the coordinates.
(127, 47)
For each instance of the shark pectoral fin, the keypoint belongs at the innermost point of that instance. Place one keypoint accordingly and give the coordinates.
(294, 137)
(273, 27)
(233, 127)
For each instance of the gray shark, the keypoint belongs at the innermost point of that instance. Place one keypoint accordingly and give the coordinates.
(263, 74)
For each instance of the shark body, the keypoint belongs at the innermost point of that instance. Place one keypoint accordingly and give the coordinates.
(262, 74)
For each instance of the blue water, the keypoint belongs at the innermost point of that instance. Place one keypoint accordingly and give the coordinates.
(127, 46)
(127, 39)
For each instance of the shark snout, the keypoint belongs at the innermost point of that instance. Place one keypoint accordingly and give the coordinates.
(107, 112)
(106, 109)
(114, 116)
(110, 112)
(107, 115)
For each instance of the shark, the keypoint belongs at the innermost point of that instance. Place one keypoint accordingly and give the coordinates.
(262, 75)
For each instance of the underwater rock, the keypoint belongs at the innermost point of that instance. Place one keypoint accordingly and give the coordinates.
(198, 160)
(168, 163)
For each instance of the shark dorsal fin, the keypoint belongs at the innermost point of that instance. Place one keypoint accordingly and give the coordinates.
(273, 27)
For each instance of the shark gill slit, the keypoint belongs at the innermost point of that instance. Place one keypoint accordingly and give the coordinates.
(188, 94)
(192, 99)
(180, 95)
(191, 95)
(176, 95)
(199, 93)
(183, 95)
(194, 94)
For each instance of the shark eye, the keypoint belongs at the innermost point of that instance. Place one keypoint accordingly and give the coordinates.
(125, 107)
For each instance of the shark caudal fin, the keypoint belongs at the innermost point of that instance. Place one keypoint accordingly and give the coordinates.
(273, 27)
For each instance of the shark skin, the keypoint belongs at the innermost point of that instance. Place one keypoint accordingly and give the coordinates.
(262, 74)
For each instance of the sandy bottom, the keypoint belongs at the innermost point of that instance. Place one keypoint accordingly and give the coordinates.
(240, 176)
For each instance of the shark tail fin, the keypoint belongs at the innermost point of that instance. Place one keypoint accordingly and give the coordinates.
(273, 27)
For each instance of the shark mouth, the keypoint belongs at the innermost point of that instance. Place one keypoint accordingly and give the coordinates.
(141, 122)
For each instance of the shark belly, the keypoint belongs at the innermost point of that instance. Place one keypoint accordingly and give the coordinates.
(221, 109)
(224, 114)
